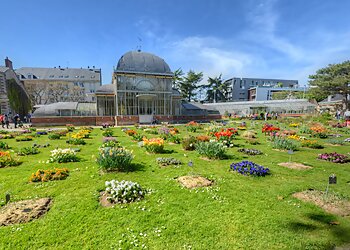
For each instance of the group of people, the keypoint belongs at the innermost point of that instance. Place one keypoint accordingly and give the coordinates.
(264, 116)
(5, 120)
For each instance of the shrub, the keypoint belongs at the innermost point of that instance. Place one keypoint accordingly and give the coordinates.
(4, 145)
(6, 160)
(189, 143)
(248, 151)
(114, 159)
(28, 151)
(285, 144)
(76, 141)
(249, 168)
(63, 155)
(54, 136)
(49, 175)
(168, 161)
(334, 157)
(124, 191)
(311, 144)
(153, 145)
(107, 132)
(212, 149)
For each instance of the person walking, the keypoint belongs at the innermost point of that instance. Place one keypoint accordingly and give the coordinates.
(2, 120)
(266, 116)
(7, 121)
(15, 120)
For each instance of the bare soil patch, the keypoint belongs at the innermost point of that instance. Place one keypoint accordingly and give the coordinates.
(24, 211)
(103, 200)
(194, 181)
(331, 204)
(294, 165)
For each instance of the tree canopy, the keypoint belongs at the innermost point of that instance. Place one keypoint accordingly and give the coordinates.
(216, 89)
(189, 84)
(334, 79)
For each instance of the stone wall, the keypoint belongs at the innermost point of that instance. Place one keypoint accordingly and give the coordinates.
(118, 120)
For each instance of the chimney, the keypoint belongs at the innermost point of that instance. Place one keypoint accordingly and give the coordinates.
(8, 63)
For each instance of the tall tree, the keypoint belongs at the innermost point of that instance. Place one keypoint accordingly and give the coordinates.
(216, 89)
(190, 84)
(334, 79)
(178, 78)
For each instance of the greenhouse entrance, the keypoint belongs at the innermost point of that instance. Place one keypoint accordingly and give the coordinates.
(146, 107)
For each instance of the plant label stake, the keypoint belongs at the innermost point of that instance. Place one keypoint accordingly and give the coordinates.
(7, 198)
(190, 163)
(331, 180)
(290, 152)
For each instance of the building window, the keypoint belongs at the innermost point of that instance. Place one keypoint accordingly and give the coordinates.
(51, 76)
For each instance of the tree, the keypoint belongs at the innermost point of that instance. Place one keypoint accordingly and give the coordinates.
(178, 78)
(37, 93)
(190, 84)
(58, 92)
(216, 89)
(76, 94)
(334, 79)
(18, 97)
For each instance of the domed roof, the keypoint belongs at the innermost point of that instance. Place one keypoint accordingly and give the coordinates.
(105, 89)
(143, 62)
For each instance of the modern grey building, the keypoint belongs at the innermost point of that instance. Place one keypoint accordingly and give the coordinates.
(239, 87)
(50, 85)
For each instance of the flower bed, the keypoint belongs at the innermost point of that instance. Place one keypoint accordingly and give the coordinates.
(249, 168)
(249, 151)
(189, 143)
(63, 155)
(107, 132)
(153, 145)
(284, 144)
(334, 157)
(28, 151)
(267, 128)
(311, 144)
(192, 126)
(114, 159)
(211, 149)
(24, 138)
(76, 141)
(226, 136)
(124, 191)
(168, 161)
(6, 160)
(49, 175)
(54, 136)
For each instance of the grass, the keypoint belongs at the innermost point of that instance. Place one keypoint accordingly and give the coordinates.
(238, 212)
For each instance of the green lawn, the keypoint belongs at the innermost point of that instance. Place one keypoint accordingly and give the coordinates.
(237, 212)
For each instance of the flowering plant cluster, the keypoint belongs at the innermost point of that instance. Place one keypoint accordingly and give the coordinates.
(242, 127)
(114, 159)
(153, 145)
(174, 131)
(319, 131)
(295, 124)
(24, 138)
(212, 129)
(211, 149)
(70, 127)
(202, 138)
(109, 142)
(105, 125)
(130, 132)
(7, 136)
(41, 133)
(151, 131)
(63, 155)
(347, 140)
(296, 137)
(192, 126)
(107, 132)
(285, 144)
(226, 136)
(250, 168)
(334, 157)
(164, 131)
(81, 134)
(49, 175)
(76, 141)
(249, 151)
(267, 128)
(168, 161)
(311, 144)
(6, 159)
(124, 191)
(189, 143)
(174, 139)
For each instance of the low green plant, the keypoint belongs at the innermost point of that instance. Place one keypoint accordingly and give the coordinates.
(76, 141)
(335, 142)
(4, 145)
(63, 155)
(285, 144)
(54, 136)
(114, 159)
(211, 149)
(107, 132)
(7, 160)
(24, 138)
(165, 161)
(28, 151)
(174, 139)
(49, 175)
(189, 143)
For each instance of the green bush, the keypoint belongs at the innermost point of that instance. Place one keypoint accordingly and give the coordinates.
(285, 144)
(114, 159)
(212, 149)
(4, 145)
(189, 143)
(174, 139)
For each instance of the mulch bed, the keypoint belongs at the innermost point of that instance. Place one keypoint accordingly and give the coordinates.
(194, 181)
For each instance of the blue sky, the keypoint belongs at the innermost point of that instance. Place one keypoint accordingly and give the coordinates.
(266, 39)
